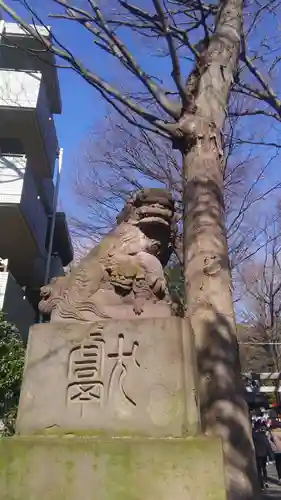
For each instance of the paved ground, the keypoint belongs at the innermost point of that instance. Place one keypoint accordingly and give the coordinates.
(274, 490)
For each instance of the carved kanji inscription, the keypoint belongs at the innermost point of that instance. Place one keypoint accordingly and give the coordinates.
(120, 368)
(94, 372)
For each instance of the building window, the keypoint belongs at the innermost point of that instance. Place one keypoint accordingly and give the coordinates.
(10, 146)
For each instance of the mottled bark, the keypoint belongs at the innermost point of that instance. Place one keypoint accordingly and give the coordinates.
(208, 286)
(210, 312)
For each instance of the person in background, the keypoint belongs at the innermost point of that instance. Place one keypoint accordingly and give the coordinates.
(270, 458)
(263, 450)
(275, 441)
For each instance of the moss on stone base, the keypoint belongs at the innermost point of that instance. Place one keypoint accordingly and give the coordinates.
(71, 468)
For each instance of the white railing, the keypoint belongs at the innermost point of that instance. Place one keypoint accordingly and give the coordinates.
(19, 89)
(263, 377)
(26, 90)
(12, 171)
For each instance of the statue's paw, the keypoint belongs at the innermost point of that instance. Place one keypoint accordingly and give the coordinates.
(138, 307)
(159, 286)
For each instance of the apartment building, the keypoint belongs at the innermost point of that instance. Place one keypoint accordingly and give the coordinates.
(29, 152)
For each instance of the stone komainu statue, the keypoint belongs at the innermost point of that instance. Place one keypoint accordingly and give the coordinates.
(123, 275)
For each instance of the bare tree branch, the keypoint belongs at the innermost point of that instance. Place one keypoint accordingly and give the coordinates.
(176, 73)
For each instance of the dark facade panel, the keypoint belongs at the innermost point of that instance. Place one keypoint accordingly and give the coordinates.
(62, 241)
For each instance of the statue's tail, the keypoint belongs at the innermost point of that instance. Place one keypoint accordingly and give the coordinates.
(70, 308)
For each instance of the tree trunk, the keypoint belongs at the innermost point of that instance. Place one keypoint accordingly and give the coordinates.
(208, 291)
(208, 286)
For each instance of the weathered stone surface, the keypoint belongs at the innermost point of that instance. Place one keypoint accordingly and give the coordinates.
(111, 469)
(126, 377)
(125, 268)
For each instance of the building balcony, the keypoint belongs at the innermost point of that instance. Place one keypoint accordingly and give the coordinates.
(14, 54)
(15, 305)
(25, 115)
(62, 244)
(23, 221)
(46, 191)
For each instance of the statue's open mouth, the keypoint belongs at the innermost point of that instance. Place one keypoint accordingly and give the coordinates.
(153, 220)
(155, 215)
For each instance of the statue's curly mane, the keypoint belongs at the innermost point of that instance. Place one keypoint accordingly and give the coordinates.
(116, 262)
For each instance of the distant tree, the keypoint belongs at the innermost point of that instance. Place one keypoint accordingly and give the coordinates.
(175, 283)
(12, 353)
(261, 281)
(116, 159)
(255, 350)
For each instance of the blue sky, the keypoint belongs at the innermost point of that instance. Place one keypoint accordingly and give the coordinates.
(83, 108)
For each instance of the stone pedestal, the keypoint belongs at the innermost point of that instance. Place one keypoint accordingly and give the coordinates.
(35, 468)
(125, 377)
(108, 411)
